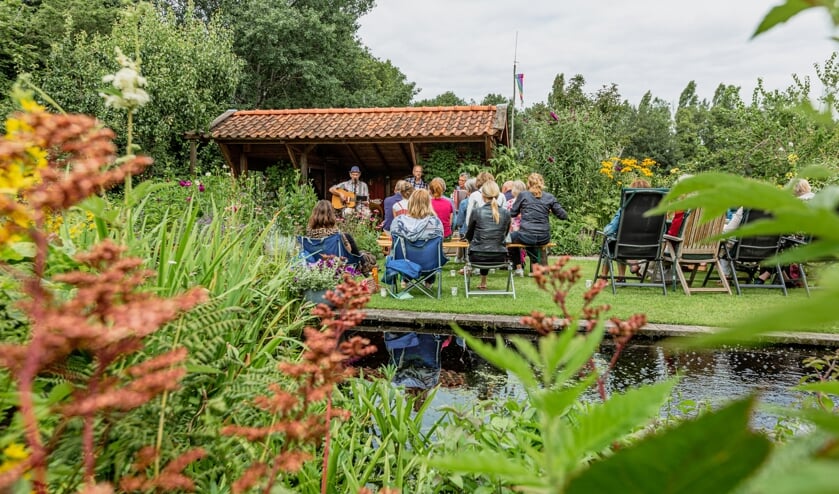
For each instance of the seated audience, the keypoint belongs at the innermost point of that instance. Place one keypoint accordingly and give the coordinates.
(535, 207)
(611, 232)
(487, 231)
(420, 222)
(388, 203)
(442, 205)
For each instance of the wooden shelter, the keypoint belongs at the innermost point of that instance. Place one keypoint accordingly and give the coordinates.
(385, 142)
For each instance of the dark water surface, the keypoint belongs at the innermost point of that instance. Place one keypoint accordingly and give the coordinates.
(708, 378)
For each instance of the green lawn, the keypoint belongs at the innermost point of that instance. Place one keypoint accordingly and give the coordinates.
(702, 309)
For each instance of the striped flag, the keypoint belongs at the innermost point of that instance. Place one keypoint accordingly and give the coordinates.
(520, 85)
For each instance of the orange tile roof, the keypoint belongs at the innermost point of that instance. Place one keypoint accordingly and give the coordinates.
(359, 123)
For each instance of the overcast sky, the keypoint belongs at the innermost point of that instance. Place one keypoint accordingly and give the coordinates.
(468, 46)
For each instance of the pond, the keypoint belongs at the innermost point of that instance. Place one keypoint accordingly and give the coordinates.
(708, 378)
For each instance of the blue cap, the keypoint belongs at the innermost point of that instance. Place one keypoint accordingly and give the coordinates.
(355, 169)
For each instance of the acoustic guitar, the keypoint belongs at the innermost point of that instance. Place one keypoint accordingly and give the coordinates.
(343, 199)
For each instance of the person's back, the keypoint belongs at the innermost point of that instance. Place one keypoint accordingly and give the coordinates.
(420, 223)
(389, 202)
(535, 213)
(487, 235)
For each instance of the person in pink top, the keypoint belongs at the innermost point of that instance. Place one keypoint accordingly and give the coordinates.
(442, 205)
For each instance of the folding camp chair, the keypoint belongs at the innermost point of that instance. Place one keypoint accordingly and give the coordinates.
(750, 254)
(639, 238)
(473, 268)
(694, 248)
(429, 259)
(313, 249)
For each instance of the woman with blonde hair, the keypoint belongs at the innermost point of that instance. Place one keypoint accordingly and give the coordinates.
(487, 231)
(535, 207)
(420, 222)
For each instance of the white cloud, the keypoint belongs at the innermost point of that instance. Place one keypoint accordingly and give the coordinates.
(467, 46)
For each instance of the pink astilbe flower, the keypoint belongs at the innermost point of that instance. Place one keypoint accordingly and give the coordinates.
(107, 316)
(171, 478)
(321, 367)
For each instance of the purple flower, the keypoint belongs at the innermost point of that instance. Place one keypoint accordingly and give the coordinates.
(553, 116)
(201, 188)
(550, 159)
(188, 199)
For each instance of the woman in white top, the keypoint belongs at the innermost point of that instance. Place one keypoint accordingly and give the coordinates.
(476, 200)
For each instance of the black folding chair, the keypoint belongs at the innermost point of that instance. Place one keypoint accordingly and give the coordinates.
(749, 255)
(639, 238)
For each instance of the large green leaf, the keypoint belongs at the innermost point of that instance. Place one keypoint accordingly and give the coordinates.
(802, 313)
(812, 477)
(784, 12)
(602, 424)
(714, 453)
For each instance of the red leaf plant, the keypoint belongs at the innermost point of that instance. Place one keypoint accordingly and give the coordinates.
(321, 367)
(559, 279)
(70, 157)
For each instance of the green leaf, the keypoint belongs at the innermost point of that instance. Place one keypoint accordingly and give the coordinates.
(556, 402)
(714, 453)
(602, 424)
(799, 313)
(144, 190)
(500, 356)
(494, 465)
(831, 387)
(59, 392)
(824, 420)
(812, 477)
(202, 369)
(782, 13)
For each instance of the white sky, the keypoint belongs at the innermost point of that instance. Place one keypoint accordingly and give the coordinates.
(467, 46)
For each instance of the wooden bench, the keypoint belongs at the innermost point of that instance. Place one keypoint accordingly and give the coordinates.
(542, 251)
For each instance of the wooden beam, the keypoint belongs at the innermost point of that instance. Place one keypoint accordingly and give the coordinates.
(355, 155)
(243, 164)
(413, 154)
(405, 152)
(487, 148)
(379, 154)
(304, 162)
(228, 156)
(291, 156)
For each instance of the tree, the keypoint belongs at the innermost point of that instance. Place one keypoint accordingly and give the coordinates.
(306, 54)
(191, 70)
(28, 28)
(445, 99)
(495, 99)
(651, 136)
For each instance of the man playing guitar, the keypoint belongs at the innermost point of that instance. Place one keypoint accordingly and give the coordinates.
(352, 195)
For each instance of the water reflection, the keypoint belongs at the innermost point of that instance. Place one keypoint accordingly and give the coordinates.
(423, 361)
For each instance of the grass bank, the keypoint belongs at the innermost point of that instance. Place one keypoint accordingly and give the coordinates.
(702, 309)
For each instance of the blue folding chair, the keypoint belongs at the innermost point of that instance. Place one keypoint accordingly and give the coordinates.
(313, 249)
(428, 255)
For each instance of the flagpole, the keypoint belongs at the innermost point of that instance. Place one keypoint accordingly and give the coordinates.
(513, 113)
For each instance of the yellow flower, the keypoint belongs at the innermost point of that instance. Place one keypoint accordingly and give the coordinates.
(15, 451)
